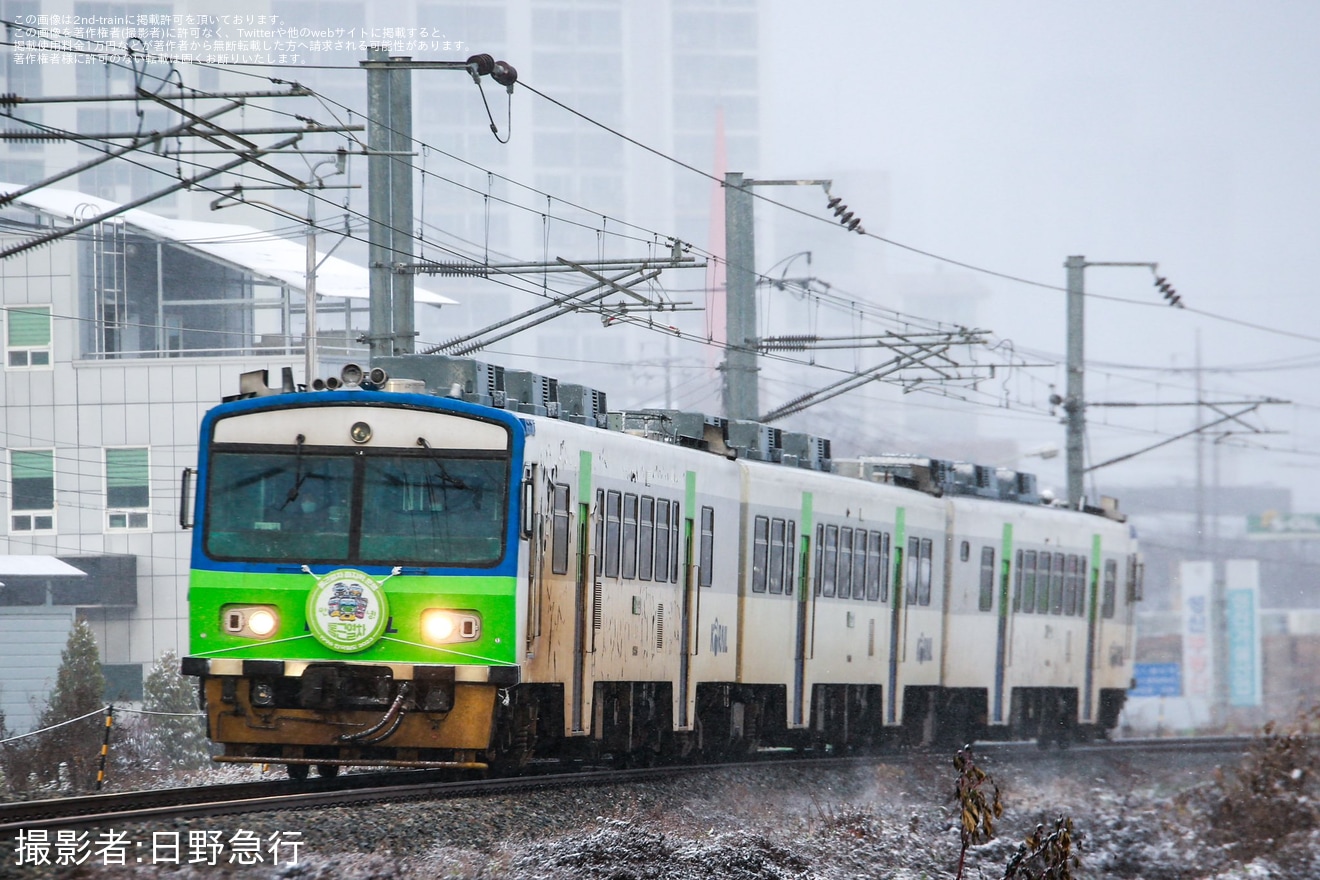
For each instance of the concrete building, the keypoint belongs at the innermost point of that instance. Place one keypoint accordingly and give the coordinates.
(116, 341)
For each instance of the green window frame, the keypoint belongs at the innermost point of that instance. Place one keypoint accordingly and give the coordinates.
(32, 490)
(127, 488)
(27, 337)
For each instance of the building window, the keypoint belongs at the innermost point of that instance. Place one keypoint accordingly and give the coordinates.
(27, 337)
(127, 489)
(32, 479)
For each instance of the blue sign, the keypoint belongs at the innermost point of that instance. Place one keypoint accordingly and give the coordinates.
(1157, 680)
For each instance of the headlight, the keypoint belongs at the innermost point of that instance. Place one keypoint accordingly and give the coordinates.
(441, 626)
(250, 621)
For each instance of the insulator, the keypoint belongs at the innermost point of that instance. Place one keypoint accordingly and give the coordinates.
(29, 137)
(8, 99)
(484, 63)
(847, 215)
(834, 201)
(504, 74)
(456, 270)
(840, 209)
(855, 225)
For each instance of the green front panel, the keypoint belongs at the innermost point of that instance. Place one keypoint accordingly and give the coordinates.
(407, 595)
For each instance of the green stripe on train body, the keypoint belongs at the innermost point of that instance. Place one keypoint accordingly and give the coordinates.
(492, 598)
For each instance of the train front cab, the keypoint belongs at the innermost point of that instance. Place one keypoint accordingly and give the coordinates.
(380, 634)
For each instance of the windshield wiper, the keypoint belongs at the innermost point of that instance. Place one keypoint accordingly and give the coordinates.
(298, 475)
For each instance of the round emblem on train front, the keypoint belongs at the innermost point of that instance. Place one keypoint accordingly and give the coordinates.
(347, 611)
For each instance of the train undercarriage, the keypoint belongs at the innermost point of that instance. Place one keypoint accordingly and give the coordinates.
(334, 715)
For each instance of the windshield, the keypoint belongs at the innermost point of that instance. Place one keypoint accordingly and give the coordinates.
(348, 506)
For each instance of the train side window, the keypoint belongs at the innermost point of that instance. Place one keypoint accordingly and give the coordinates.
(1111, 588)
(599, 547)
(707, 561)
(873, 567)
(630, 536)
(613, 503)
(1029, 582)
(820, 558)
(860, 543)
(1043, 569)
(884, 566)
(776, 578)
(830, 554)
(913, 566)
(965, 551)
(646, 539)
(1069, 584)
(675, 561)
(1083, 586)
(760, 552)
(662, 529)
(843, 587)
(923, 587)
(987, 598)
(1056, 586)
(790, 554)
(1017, 581)
(559, 529)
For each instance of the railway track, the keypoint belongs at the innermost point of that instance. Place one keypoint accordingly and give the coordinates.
(218, 800)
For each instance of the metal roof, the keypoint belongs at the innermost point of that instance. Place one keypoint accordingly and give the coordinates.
(246, 247)
(37, 566)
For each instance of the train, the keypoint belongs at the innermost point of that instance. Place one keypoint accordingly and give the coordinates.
(438, 562)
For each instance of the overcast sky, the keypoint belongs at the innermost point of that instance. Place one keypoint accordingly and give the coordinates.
(1014, 134)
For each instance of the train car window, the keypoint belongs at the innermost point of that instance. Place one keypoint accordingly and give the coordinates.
(830, 555)
(884, 567)
(843, 587)
(1017, 581)
(760, 552)
(706, 572)
(923, 587)
(613, 503)
(646, 539)
(1135, 575)
(965, 551)
(1029, 582)
(776, 578)
(675, 561)
(913, 566)
(987, 598)
(430, 509)
(630, 536)
(1044, 563)
(1070, 584)
(1056, 585)
(1083, 587)
(1110, 589)
(873, 567)
(859, 564)
(662, 529)
(790, 554)
(600, 532)
(820, 558)
(559, 529)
